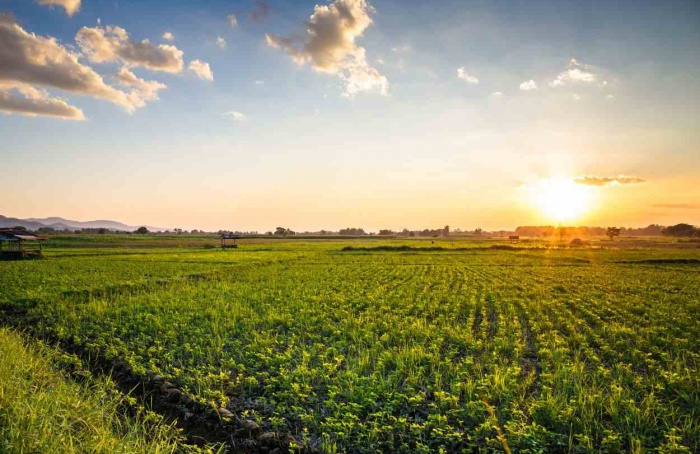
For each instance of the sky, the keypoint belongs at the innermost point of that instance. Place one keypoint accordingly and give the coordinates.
(250, 114)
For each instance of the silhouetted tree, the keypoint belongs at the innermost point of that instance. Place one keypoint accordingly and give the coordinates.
(142, 230)
(563, 232)
(612, 232)
(353, 231)
(681, 230)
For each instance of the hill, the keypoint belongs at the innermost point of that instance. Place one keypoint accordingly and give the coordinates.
(59, 223)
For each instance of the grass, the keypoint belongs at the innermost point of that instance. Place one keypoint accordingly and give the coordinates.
(456, 349)
(44, 411)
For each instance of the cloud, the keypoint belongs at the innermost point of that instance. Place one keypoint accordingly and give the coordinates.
(576, 97)
(497, 94)
(235, 116)
(143, 90)
(402, 49)
(168, 36)
(203, 70)
(35, 102)
(463, 74)
(221, 42)
(112, 44)
(260, 11)
(609, 97)
(528, 85)
(575, 72)
(329, 45)
(259, 82)
(607, 181)
(232, 20)
(71, 6)
(30, 60)
(677, 206)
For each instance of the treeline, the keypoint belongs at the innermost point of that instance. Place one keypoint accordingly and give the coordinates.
(682, 230)
(358, 231)
(544, 231)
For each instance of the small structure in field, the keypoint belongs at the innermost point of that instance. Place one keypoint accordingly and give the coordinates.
(229, 241)
(18, 244)
(514, 239)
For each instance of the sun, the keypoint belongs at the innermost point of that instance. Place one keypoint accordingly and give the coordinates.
(560, 199)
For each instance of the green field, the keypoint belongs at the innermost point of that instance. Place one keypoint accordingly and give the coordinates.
(449, 347)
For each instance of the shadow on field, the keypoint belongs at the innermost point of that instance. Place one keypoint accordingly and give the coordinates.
(404, 248)
(660, 262)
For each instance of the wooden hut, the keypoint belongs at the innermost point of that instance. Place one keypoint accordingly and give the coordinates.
(19, 244)
(229, 241)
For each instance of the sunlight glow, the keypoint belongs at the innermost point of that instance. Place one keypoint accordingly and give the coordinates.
(560, 199)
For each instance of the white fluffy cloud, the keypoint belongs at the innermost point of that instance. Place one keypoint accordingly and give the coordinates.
(71, 6)
(464, 75)
(33, 102)
(528, 85)
(221, 42)
(142, 90)
(232, 20)
(497, 94)
(203, 70)
(112, 44)
(235, 116)
(168, 36)
(28, 61)
(576, 73)
(329, 45)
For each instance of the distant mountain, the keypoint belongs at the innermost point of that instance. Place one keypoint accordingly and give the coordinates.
(62, 224)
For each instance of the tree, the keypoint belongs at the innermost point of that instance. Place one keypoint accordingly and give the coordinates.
(352, 231)
(142, 230)
(612, 232)
(386, 232)
(681, 230)
(284, 231)
(563, 233)
(446, 231)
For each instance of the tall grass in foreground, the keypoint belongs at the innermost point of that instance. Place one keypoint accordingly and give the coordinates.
(41, 411)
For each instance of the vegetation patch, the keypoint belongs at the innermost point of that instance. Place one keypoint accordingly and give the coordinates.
(294, 346)
(43, 410)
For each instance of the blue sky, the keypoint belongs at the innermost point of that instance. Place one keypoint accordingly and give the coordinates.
(435, 149)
